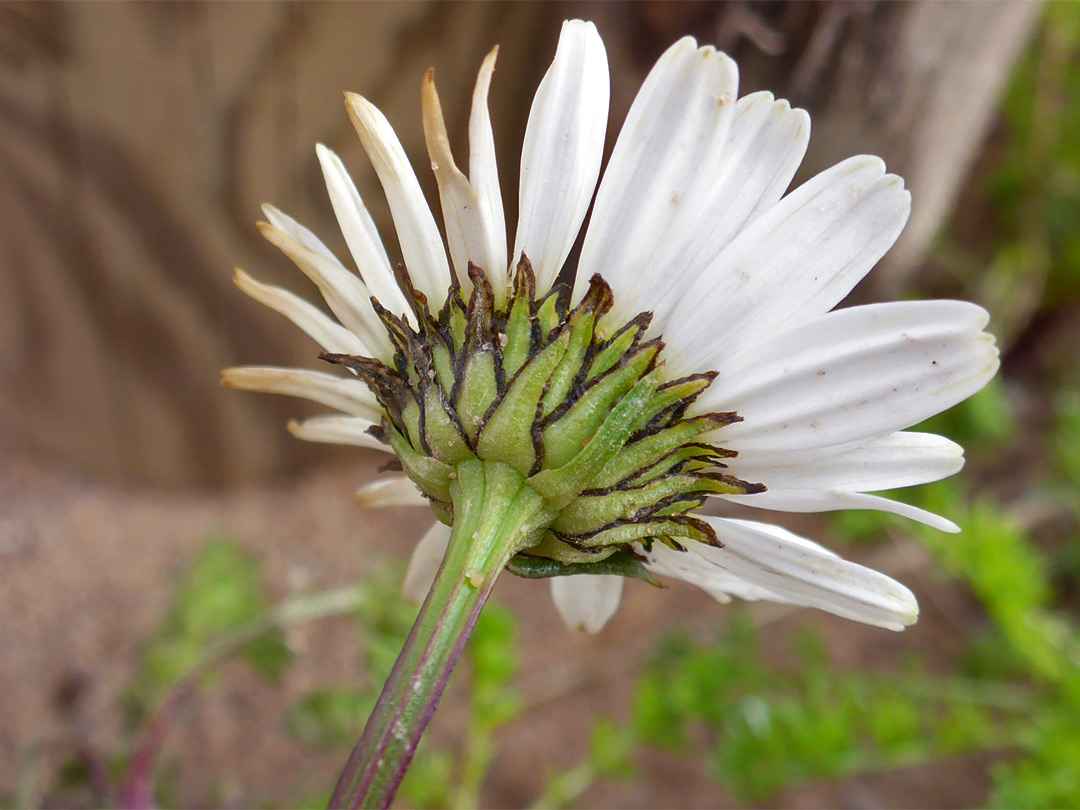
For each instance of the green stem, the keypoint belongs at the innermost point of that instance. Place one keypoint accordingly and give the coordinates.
(496, 515)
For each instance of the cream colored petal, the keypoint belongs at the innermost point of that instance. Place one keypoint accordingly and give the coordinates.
(283, 222)
(333, 337)
(425, 562)
(421, 245)
(464, 234)
(334, 429)
(340, 393)
(472, 208)
(396, 491)
(360, 234)
(343, 290)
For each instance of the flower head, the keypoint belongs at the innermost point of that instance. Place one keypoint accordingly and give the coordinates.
(693, 353)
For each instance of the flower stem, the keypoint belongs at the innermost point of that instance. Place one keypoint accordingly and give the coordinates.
(496, 515)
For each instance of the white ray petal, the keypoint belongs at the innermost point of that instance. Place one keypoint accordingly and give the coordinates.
(361, 235)
(484, 177)
(346, 295)
(891, 461)
(343, 394)
(335, 429)
(333, 337)
(586, 601)
(472, 206)
(424, 564)
(564, 144)
(655, 186)
(854, 373)
(783, 499)
(384, 492)
(791, 569)
(794, 263)
(421, 245)
(720, 584)
(283, 222)
(767, 142)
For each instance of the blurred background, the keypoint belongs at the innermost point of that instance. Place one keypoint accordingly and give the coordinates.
(194, 611)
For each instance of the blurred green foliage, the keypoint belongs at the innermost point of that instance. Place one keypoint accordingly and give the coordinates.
(219, 596)
(1035, 190)
(1065, 449)
(761, 728)
(1023, 261)
(333, 717)
(1015, 690)
(220, 612)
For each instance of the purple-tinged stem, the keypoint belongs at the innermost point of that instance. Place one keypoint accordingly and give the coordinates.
(496, 514)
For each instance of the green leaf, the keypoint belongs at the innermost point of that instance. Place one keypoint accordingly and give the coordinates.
(609, 750)
(429, 780)
(1046, 778)
(269, 655)
(331, 718)
(620, 564)
(220, 593)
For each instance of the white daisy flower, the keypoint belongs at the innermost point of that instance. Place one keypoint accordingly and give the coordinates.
(694, 352)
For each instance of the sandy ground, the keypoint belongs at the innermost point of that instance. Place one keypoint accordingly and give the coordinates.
(86, 572)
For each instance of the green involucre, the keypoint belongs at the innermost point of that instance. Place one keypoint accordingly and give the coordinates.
(590, 421)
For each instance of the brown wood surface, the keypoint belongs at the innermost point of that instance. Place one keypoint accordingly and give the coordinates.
(138, 140)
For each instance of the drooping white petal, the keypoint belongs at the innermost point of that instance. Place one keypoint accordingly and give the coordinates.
(781, 566)
(783, 499)
(830, 478)
(424, 563)
(586, 601)
(854, 373)
(343, 394)
(664, 164)
(334, 429)
(472, 206)
(342, 289)
(361, 235)
(720, 584)
(333, 337)
(421, 245)
(286, 224)
(396, 491)
(766, 144)
(794, 263)
(891, 461)
(564, 144)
